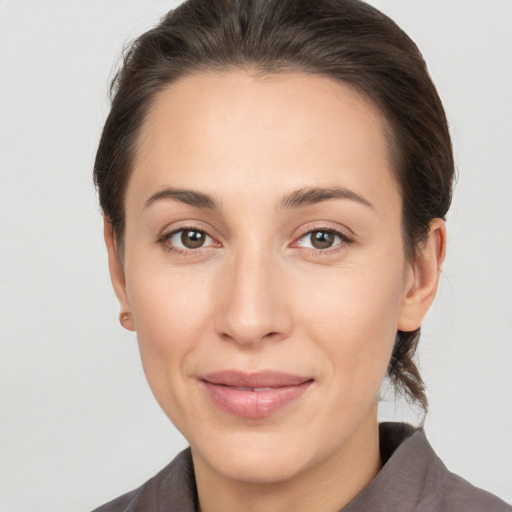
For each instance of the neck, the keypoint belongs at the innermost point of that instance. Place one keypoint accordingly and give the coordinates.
(327, 486)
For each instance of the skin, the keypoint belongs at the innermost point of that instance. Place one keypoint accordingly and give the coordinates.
(258, 295)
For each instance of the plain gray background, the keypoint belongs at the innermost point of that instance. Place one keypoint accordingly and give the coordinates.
(78, 424)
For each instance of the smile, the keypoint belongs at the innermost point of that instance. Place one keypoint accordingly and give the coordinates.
(253, 395)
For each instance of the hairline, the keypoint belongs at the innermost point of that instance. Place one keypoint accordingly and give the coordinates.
(258, 71)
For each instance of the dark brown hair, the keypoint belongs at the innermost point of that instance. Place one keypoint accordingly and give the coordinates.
(345, 40)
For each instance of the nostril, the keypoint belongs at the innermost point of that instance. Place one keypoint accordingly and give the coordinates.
(269, 335)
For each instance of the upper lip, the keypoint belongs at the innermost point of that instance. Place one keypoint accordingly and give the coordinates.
(262, 379)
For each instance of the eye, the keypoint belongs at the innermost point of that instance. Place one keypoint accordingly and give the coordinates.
(188, 239)
(321, 239)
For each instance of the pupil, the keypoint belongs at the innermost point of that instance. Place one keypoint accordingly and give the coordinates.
(322, 239)
(192, 239)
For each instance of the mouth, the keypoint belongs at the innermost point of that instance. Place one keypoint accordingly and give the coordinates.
(254, 395)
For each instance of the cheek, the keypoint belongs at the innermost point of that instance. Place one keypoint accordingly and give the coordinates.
(353, 319)
(171, 311)
(168, 301)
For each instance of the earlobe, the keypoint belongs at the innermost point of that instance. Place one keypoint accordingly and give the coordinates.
(117, 275)
(425, 271)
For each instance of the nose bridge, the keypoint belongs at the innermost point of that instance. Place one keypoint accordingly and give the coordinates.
(251, 307)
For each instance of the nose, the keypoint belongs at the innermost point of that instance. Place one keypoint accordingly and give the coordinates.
(252, 304)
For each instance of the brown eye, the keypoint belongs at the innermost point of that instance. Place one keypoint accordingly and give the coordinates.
(321, 239)
(192, 239)
(187, 239)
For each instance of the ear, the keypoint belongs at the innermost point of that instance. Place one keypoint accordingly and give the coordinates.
(117, 273)
(423, 277)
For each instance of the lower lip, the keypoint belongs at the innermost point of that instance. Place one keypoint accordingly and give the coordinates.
(254, 404)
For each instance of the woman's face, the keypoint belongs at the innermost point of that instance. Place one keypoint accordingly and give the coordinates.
(264, 268)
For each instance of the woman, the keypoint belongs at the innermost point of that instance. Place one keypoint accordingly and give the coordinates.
(274, 177)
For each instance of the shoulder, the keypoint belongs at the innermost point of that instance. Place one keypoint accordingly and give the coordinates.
(453, 493)
(414, 479)
(435, 487)
(143, 498)
(173, 488)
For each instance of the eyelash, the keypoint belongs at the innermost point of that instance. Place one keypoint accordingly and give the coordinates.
(164, 240)
(345, 239)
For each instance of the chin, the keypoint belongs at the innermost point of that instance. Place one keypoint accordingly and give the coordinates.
(259, 457)
(258, 466)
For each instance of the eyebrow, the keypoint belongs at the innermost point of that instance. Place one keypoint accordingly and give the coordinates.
(297, 199)
(190, 197)
(310, 196)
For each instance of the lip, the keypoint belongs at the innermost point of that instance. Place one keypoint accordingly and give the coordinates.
(254, 395)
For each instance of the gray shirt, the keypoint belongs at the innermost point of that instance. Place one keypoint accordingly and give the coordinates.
(412, 478)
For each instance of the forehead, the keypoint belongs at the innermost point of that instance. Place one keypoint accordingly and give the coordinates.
(291, 129)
